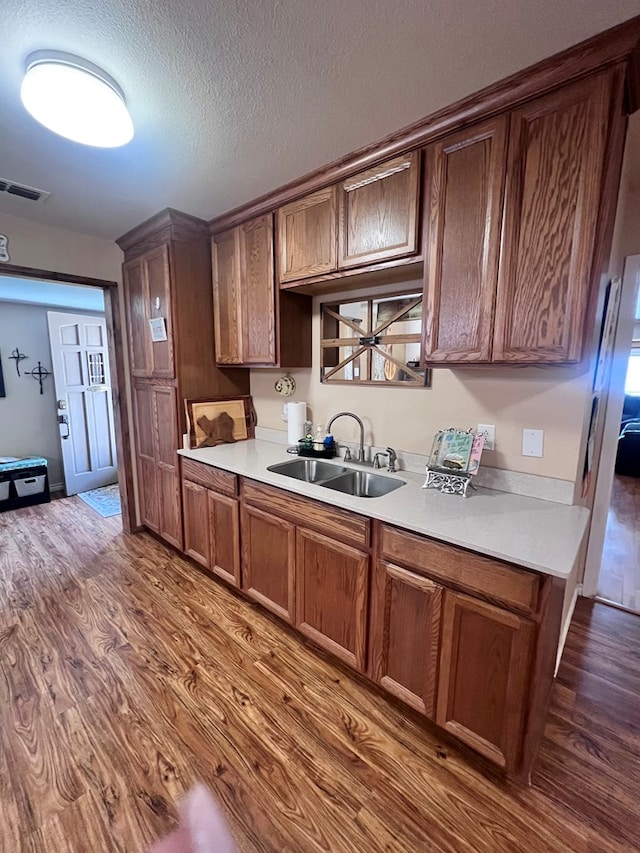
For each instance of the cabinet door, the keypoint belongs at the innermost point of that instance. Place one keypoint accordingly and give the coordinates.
(257, 291)
(224, 529)
(136, 296)
(331, 586)
(268, 557)
(166, 424)
(145, 442)
(405, 635)
(485, 669)
(552, 197)
(195, 502)
(462, 219)
(378, 213)
(156, 264)
(227, 313)
(148, 295)
(307, 236)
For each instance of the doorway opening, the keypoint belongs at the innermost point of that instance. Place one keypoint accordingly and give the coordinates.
(87, 420)
(613, 559)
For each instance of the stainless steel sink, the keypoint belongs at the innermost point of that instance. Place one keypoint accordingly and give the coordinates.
(309, 470)
(362, 484)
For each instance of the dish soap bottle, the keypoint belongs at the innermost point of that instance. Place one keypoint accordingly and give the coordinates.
(318, 441)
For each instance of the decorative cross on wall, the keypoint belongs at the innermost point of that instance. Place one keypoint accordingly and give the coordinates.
(40, 373)
(18, 356)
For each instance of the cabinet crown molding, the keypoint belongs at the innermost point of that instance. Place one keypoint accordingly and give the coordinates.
(618, 45)
(168, 223)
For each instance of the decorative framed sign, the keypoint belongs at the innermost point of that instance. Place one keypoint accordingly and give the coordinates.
(454, 460)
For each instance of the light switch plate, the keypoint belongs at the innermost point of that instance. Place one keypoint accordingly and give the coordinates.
(489, 432)
(532, 442)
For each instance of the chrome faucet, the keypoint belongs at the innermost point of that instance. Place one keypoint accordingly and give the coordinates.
(392, 458)
(360, 454)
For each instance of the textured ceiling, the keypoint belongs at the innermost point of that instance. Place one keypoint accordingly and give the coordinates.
(231, 98)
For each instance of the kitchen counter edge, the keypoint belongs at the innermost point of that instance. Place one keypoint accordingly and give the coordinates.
(541, 535)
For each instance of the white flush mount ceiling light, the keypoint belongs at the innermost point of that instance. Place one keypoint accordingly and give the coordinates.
(76, 99)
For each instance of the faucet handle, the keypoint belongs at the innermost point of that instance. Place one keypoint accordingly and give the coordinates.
(347, 454)
(376, 458)
(393, 458)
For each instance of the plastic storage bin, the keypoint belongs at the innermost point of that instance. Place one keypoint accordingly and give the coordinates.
(4, 490)
(29, 485)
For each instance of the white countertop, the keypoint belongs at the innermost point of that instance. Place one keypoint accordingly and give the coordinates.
(541, 535)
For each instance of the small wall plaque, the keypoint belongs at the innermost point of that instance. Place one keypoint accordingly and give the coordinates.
(158, 329)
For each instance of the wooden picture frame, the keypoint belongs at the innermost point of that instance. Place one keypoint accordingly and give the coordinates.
(239, 425)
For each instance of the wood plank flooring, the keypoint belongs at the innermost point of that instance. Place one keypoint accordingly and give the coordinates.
(126, 675)
(619, 579)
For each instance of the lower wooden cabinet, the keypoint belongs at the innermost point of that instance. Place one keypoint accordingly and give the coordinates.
(465, 640)
(224, 535)
(268, 560)
(331, 592)
(212, 530)
(485, 667)
(197, 541)
(405, 635)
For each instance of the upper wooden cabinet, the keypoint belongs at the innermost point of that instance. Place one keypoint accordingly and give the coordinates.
(167, 275)
(227, 308)
(464, 178)
(244, 294)
(307, 236)
(148, 295)
(378, 213)
(514, 229)
(557, 151)
(370, 217)
(254, 323)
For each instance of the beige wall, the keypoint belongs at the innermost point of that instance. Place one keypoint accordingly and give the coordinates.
(552, 399)
(34, 245)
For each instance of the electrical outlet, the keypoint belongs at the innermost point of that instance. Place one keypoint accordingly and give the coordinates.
(532, 442)
(489, 432)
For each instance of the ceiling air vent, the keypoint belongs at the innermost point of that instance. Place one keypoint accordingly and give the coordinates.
(23, 191)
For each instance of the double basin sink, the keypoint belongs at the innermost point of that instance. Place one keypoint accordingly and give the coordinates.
(350, 481)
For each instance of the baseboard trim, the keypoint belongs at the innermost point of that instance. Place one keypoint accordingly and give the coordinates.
(566, 625)
(615, 604)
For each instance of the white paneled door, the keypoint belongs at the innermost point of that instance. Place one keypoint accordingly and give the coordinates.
(85, 408)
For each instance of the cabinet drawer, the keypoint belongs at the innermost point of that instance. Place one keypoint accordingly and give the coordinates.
(213, 478)
(500, 582)
(347, 526)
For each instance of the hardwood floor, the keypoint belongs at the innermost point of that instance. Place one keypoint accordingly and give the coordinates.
(619, 579)
(126, 675)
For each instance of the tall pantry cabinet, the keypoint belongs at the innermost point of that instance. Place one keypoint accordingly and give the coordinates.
(167, 279)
